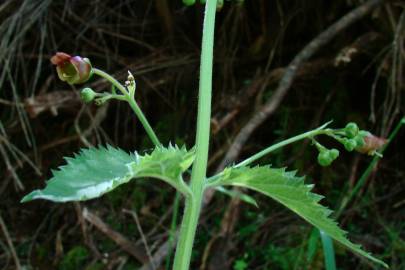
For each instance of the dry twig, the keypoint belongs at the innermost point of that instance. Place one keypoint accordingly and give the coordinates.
(10, 244)
(135, 251)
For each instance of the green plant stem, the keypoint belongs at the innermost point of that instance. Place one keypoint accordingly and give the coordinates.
(198, 174)
(111, 79)
(134, 106)
(132, 103)
(309, 134)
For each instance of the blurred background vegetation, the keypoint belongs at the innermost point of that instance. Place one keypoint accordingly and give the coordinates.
(359, 77)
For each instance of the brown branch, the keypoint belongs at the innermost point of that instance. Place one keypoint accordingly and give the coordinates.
(3, 227)
(126, 245)
(88, 238)
(143, 238)
(217, 250)
(160, 255)
(52, 101)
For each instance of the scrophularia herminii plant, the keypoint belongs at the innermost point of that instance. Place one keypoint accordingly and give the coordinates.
(98, 170)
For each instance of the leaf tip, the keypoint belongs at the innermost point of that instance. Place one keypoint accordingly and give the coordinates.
(380, 262)
(29, 197)
(25, 199)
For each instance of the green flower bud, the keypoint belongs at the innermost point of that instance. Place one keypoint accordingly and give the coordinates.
(188, 2)
(360, 138)
(87, 95)
(350, 144)
(333, 154)
(220, 4)
(324, 158)
(351, 130)
(73, 70)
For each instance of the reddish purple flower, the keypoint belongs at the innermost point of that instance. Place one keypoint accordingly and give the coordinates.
(371, 144)
(72, 69)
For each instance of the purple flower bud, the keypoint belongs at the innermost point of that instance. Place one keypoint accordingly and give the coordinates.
(73, 70)
(371, 144)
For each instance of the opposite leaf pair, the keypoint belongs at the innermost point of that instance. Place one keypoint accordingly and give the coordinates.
(96, 171)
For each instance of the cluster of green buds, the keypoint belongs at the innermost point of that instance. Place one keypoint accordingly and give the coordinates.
(360, 140)
(352, 138)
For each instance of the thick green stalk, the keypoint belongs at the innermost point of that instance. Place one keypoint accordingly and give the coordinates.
(198, 174)
(132, 103)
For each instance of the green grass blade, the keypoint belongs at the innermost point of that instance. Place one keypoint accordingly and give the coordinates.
(328, 251)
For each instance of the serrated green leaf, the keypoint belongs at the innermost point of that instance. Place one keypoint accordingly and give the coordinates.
(96, 171)
(292, 192)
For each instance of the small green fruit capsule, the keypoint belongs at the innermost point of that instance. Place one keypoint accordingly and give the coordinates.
(188, 2)
(351, 130)
(220, 4)
(360, 138)
(87, 95)
(350, 145)
(333, 154)
(324, 158)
